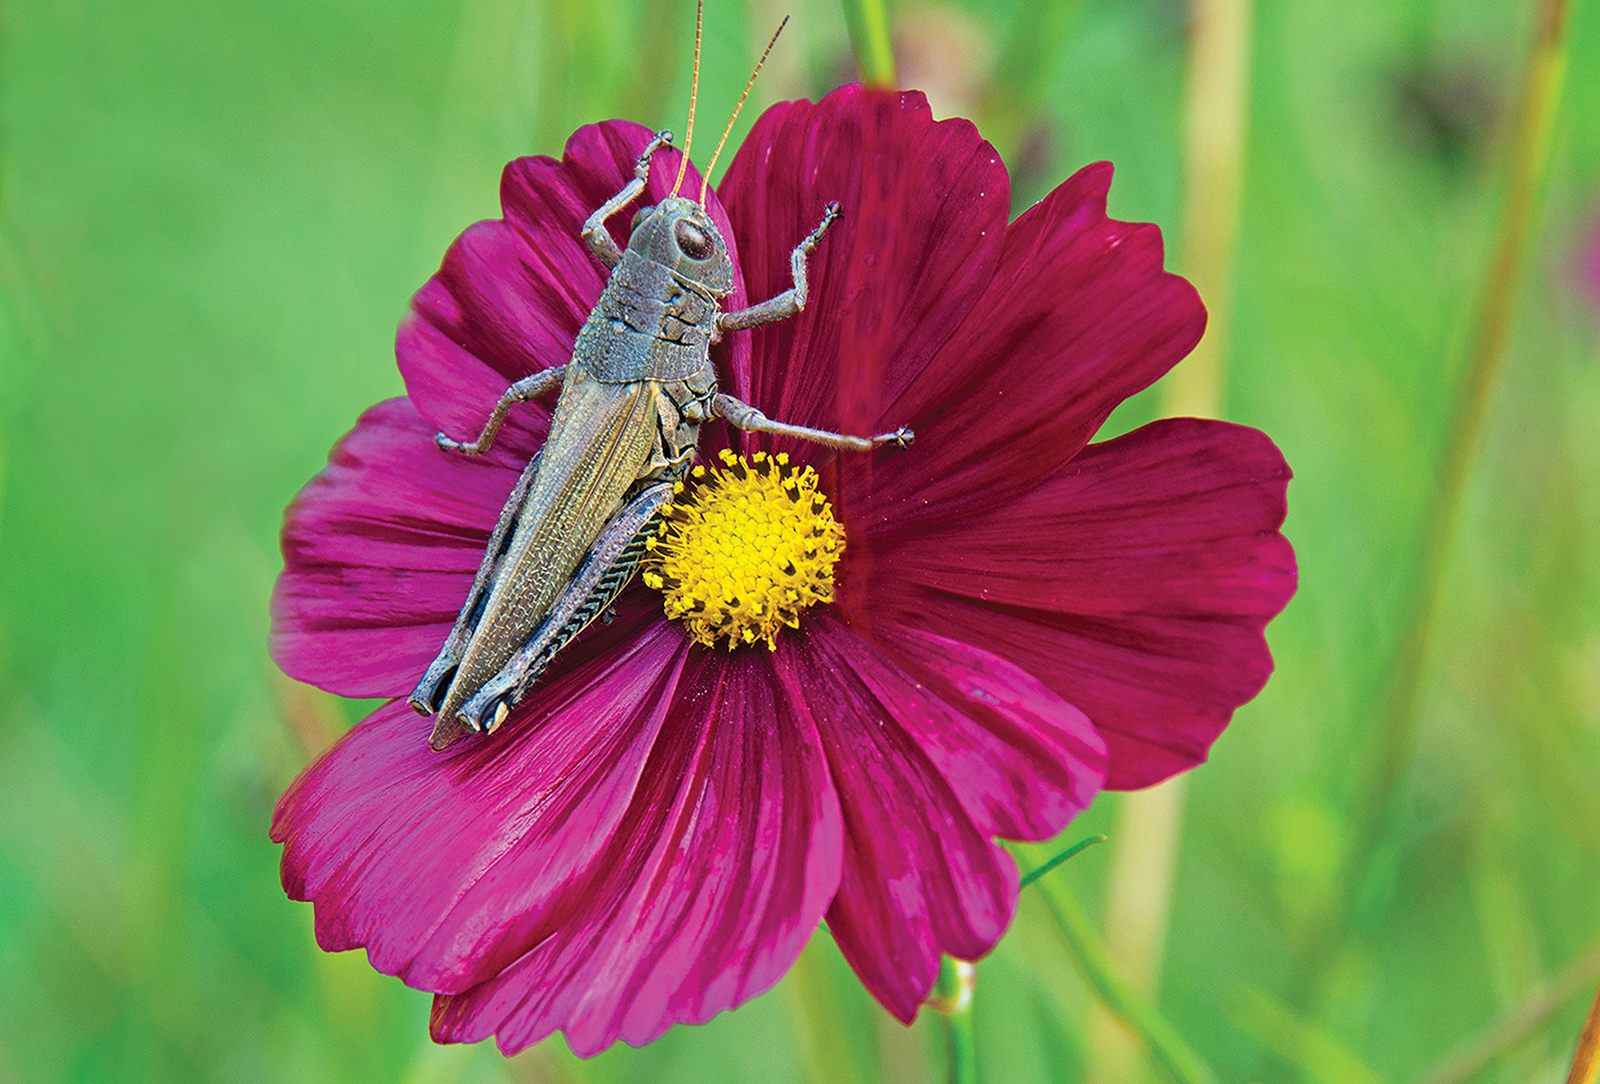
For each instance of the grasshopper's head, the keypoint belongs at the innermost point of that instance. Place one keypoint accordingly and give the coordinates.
(679, 233)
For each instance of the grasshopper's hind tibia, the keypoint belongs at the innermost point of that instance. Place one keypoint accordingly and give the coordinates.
(528, 388)
(594, 233)
(429, 693)
(598, 579)
(791, 301)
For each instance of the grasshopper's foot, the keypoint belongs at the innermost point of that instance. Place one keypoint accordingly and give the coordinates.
(900, 438)
(830, 214)
(458, 446)
(641, 167)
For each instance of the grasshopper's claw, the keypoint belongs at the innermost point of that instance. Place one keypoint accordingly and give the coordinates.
(900, 438)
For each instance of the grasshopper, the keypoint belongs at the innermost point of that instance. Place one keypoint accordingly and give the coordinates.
(632, 399)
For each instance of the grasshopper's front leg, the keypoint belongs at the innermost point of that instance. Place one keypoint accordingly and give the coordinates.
(791, 301)
(529, 387)
(594, 232)
(604, 571)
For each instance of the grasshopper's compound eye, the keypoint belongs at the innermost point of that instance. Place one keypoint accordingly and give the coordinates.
(639, 216)
(692, 240)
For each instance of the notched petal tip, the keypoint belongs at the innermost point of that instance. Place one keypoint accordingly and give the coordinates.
(715, 879)
(1136, 585)
(925, 205)
(920, 875)
(1078, 314)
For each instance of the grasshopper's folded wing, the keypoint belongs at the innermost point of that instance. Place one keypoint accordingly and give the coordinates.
(600, 439)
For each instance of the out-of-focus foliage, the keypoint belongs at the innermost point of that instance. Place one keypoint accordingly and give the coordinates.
(211, 217)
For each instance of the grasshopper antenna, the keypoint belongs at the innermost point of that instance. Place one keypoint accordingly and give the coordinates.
(694, 91)
(706, 180)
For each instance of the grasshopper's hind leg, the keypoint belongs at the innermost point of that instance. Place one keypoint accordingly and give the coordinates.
(599, 578)
(429, 693)
(790, 303)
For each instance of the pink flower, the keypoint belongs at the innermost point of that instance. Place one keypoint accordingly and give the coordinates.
(1022, 618)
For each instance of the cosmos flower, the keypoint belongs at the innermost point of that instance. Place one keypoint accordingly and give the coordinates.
(1019, 618)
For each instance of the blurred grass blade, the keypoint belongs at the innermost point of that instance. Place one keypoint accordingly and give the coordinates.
(1166, 1047)
(868, 21)
(827, 1052)
(1398, 714)
(1301, 1042)
(1463, 1064)
(1215, 123)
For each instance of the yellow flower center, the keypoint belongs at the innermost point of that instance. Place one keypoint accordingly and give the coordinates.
(744, 548)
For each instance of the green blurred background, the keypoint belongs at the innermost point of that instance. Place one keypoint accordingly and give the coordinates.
(211, 218)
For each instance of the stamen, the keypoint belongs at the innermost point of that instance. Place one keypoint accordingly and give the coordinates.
(745, 548)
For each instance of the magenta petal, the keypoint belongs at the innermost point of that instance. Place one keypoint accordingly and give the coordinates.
(707, 892)
(1077, 317)
(1023, 761)
(924, 215)
(453, 345)
(512, 293)
(1136, 585)
(444, 864)
(379, 552)
(920, 878)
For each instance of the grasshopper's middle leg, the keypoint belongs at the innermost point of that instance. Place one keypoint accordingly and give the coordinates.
(791, 301)
(529, 387)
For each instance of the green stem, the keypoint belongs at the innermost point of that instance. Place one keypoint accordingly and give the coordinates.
(952, 999)
(1166, 1047)
(963, 1052)
(1039, 871)
(868, 21)
(1397, 727)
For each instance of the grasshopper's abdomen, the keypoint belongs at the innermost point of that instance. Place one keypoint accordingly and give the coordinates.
(600, 439)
